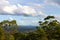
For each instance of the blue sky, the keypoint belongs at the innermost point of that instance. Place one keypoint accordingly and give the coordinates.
(28, 12)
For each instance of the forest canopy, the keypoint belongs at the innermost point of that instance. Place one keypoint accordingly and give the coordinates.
(48, 29)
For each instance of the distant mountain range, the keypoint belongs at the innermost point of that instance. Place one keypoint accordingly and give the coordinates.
(27, 28)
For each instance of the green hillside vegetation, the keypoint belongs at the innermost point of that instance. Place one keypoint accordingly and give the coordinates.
(49, 29)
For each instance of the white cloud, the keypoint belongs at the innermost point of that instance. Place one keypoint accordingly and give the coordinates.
(36, 5)
(7, 8)
(25, 10)
(3, 3)
(10, 9)
(53, 2)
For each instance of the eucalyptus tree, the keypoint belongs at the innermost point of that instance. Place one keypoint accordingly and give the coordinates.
(52, 27)
(9, 26)
(13, 25)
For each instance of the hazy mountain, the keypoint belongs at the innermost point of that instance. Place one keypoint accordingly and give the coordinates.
(27, 28)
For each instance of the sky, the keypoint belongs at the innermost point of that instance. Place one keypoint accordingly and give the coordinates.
(28, 12)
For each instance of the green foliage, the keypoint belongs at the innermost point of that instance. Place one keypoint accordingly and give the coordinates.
(51, 28)
(1, 34)
(9, 37)
(20, 36)
(47, 30)
(49, 17)
(7, 28)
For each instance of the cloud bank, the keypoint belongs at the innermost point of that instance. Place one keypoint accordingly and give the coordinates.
(6, 8)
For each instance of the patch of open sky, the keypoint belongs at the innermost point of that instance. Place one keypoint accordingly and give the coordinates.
(21, 20)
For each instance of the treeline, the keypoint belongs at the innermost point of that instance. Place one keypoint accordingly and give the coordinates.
(48, 29)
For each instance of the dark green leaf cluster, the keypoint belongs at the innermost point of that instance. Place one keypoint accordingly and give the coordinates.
(48, 17)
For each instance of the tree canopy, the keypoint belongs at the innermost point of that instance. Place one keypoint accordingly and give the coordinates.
(47, 30)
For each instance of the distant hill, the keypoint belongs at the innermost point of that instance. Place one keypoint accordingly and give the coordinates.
(27, 28)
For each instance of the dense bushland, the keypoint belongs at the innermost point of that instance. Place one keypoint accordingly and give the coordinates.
(48, 29)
